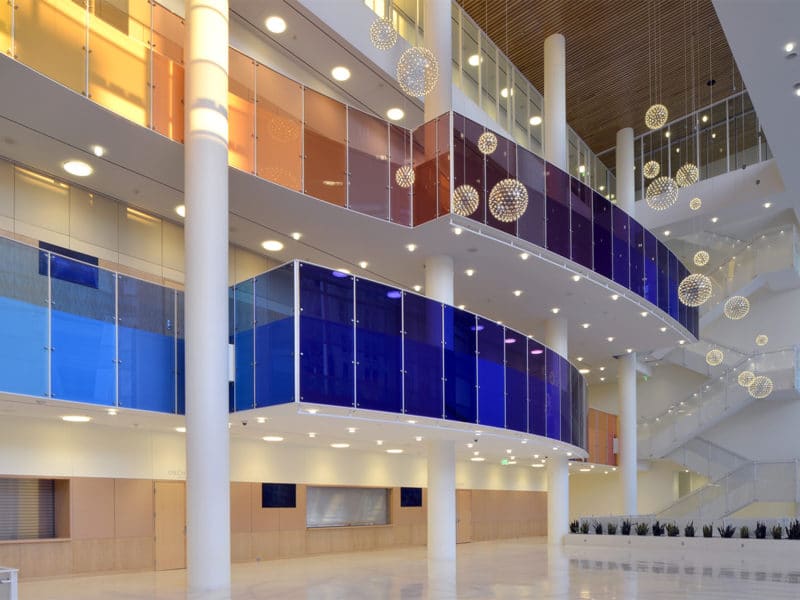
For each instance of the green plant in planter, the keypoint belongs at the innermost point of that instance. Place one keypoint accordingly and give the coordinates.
(658, 529)
(611, 528)
(688, 531)
(761, 530)
(598, 528)
(641, 528)
(744, 532)
(726, 531)
(626, 527)
(673, 530)
(777, 532)
(708, 530)
(574, 526)
(584, 527)
(793, 530)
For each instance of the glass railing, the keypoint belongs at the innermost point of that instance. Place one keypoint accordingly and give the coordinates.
(707, 459)
(566, 217)
(362, 344)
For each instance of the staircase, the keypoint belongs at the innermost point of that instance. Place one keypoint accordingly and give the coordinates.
(707, 459)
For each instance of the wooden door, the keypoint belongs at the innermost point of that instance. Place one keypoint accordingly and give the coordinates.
(463, 516)
(170, 525)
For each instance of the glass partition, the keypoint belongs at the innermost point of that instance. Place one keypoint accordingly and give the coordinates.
(491, 373)
(242, 314)
(368, 164)
(422, 356)
(168, 73)
(460, 368)
(324, 148)
(274, 336)
(241, 111)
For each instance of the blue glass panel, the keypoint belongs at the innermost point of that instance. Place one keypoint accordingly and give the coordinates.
(491, 371)
(553, 393)
(531, 225)
(379, 347)
(637, 258)
(683, 317)
(23, 321)
(663, 277)
(424, 366)
(580, 199)
(694, 320)
(603, 255)
(501, 164)
(557, 185)
(674, 304)
(650, 267)
(231, 340)
(326, 336)
(566, 402)
(537, 386)
(619, 219)
(460, 368)
(516, 382)
(180, 359)
(244, 340)
(274, 332)
(84, 339)
(578, 419)
(146, 345)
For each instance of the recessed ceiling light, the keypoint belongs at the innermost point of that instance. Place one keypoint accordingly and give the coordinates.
(363, 264)
(615, 297)
(312, 411)
(352, 429)
(78, 168)
(411, 421)
(275, 24)
(704, 118)
(537, 465)
(462, 306)
(469, 272)
(418, 438)
(474, 60)
(662, 329)
(602, 379)
(610, 338)
(576, 278)
(296, 235)
(180, 429)
(789, 47)
(499, 322)
(394, 450)
(379, 442)
(340, 73)
(584, 470)
(417, 288)
(340, 445)
(395, 114)
(681, 342)
(312, 434)
(524, 255)
(457, 230)
(767, 204)
(555, 447)
(98, 151)
(628, 350)
(272, 438)
(555, 310)
(518, 293)
(112, 412)
(536, 120)
(411, 247)
(477, 459)
(677, 150)
(504, 92)
(579, 359)
(602, 188)
(581, 169)
(76, 418)
(272, 245)
(584, 371)
(524, 441)
(667, 232)
(181, 210)
(643, 313)
(586, 325)
(797, 89)
(714, 219)
(666, 134)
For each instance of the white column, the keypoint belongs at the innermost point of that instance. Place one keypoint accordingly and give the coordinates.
(557, 498)
(555, 101)
(439, 278)
(208, 558)
(625, 175)
(439, 40)
(555, 335)
(441, 500)
(627, 432)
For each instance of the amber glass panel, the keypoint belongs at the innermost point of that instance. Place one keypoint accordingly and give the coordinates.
(325, 148)
(443, 133)
(279, 128)
(368, 164)
(5, 27)
(425, 184)
(49, 37)
(119, 59)
(241, 111)
(400, 154)
(167, 73)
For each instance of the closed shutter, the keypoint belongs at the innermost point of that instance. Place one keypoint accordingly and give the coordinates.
(27, 509)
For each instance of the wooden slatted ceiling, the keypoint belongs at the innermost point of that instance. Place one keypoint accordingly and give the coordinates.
(607, 55)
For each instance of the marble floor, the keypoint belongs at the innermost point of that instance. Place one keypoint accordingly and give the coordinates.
(509, 569)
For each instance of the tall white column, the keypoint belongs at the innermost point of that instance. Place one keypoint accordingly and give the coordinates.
(439, 40)
(555, 101)
(627, 432)
(555, 335)
(557, 498)
(626, 198)
(206, 238)
(439, 278)
(441, 501)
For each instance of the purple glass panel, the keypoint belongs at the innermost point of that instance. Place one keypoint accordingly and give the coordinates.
(530, 172)
(425, 184)
(580, 201)
(537, 382)
(683, 314)
(637, 258)
(553, 393)
(674, 308)
(557, 186)
(619, 219)
(501, 164)
(491, 373)
(662, 254)
(423, 356)
(516, 381)
(399, 155)
(566, 402)
(460, 368)
(602, 247)
(368, 166)
(443, 163)
(471, 164)
(650, 267)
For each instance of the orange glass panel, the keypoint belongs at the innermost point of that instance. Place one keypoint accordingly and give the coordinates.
(168, 72)
(325, 148)
(49, 37)
(279, 128)
(119, 59)
(5, 28)
(241, 111)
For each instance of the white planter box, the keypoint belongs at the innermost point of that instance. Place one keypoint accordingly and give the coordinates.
(750, 546)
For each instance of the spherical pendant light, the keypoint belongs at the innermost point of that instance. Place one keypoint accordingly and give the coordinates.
(687, 175)
(661, 193)
(761, 387)
(736, 307)
(745, 378)
(382, 34)
(695, 290)
(508, 200)
(404, 176)
(656, 116)
(465, 200)
(701, 258)
(695, 203)
(761, 340)
(714, 357)
(487, 143)
(651, 169)
(417, 71)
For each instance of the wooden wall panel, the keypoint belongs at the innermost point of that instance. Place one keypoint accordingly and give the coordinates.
(133, 508)
(294, 519)
(134, 554)
(92, 508)
(241, 545)
(601, 434)
(63, 513)
(263, 519)
(90, 556)
(241, 510)
(45, 559)
(264, 544)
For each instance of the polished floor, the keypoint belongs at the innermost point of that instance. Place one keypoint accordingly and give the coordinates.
(509, 569)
